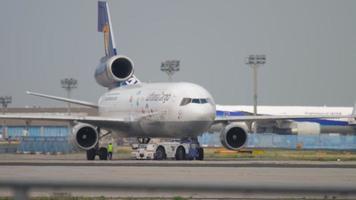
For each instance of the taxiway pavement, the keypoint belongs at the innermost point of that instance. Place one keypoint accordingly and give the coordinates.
(293, 173)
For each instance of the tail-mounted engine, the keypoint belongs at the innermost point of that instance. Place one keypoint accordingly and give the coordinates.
(114, 70)
(85, 136)
(234, 136)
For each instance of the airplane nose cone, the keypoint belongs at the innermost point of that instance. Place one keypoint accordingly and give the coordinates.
(211, 112)
(205, 113)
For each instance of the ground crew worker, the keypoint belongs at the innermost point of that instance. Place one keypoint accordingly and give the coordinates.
(110, 148)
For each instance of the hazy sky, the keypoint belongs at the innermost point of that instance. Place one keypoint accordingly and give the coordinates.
(310, 47)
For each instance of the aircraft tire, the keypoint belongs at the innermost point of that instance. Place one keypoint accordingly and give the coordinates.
(200, 153)
(180, 153)
(91, 154)
(160, 153)
(103, 153)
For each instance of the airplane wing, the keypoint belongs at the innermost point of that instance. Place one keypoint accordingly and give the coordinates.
(83, 103)
(94, 120)
(278, 117)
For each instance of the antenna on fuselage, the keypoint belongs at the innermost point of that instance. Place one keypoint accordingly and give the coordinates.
(170, 67)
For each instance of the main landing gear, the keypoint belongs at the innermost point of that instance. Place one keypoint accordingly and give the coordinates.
(102, 152)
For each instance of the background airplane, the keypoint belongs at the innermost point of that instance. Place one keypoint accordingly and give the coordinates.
(297, 126)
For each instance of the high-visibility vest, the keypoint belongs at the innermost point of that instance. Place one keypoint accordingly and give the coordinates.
(110, 148)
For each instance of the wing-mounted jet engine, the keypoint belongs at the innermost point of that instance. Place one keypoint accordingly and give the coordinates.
(114, 70)
(234, 136)
(85, 136)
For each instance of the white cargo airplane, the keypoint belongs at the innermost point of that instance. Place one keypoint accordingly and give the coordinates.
(134, 109)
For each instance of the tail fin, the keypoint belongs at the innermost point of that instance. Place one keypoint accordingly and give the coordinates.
(104, 26)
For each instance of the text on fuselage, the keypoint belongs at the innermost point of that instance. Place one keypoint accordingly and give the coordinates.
(160, 97)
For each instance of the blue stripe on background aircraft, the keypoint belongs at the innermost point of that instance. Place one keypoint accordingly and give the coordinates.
(295, 126)
(132, 108)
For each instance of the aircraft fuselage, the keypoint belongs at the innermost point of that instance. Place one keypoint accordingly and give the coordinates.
(160, 109)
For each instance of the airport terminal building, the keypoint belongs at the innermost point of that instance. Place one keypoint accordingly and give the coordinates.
(18, 128)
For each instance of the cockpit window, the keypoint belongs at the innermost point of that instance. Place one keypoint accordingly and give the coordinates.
(195, 101)
(185, 101)
(203, 101)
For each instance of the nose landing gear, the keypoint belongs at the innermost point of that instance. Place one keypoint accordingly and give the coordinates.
(143, 140)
